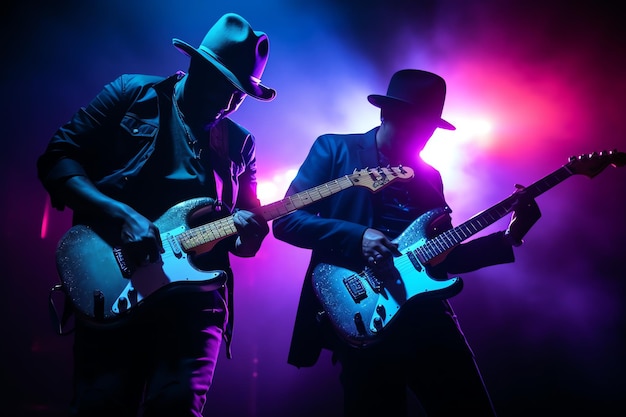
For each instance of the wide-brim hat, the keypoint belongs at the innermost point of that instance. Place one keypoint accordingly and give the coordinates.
(416, 91)
(237, 51)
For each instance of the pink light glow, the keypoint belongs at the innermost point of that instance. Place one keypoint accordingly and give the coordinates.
(44, 219)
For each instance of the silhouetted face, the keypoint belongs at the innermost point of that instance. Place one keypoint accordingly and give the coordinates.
(212, 89)
(406, 131)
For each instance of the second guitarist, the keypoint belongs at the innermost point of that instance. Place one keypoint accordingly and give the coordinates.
(425, 351)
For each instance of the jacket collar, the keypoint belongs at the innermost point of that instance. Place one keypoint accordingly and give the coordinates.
(369, 152)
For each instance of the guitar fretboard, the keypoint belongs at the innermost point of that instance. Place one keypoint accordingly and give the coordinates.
(304, 198)
(450, 238)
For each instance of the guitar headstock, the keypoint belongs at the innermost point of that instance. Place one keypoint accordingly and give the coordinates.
(377, 178)
(594, 163)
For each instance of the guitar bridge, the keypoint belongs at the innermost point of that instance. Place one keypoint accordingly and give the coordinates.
(355, 288)
(372, 280)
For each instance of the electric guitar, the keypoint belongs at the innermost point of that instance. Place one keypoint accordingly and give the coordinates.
(362, 305)
(104, 286)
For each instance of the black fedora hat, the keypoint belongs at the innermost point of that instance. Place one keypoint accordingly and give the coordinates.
(237, 51)
(416, 91)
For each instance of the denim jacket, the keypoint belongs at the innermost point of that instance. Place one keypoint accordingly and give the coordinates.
(111, 139)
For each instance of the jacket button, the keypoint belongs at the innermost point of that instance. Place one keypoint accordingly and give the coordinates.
(135, 130)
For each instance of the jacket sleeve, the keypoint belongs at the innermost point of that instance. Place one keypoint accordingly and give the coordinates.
(481, 252)
(75, 147)
(320, 226)
(488, 250)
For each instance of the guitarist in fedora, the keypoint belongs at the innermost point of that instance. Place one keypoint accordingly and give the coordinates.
(424, 350)
(144, 144)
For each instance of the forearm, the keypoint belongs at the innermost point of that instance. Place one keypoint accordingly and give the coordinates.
(484, 251)
(80, 194)
(306, 230)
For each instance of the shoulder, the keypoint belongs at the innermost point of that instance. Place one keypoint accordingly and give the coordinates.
(138, 80)
(140, 89)
(346, 142)
(138, 84)
(342, 139)
(427, 170)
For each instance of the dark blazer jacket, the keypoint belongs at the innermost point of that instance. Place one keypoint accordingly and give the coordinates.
(333, 228)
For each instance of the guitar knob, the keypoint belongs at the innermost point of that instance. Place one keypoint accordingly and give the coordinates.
(132, 296)
(358, 322)
(378, 323)
(122, 304)
(380, 309)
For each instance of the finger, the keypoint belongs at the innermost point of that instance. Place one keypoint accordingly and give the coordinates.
(159, 241)
(393, 248)
(237, 219)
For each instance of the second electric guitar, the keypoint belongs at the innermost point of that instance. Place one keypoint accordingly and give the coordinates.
(361, 305)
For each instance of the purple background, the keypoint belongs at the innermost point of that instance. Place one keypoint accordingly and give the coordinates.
(529, 85)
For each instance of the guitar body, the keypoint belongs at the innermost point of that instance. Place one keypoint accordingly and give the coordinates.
(102, 285)
(361, 305)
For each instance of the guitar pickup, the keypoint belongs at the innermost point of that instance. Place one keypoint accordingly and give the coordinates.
(415, 261)
(355, 288)
(176, 249)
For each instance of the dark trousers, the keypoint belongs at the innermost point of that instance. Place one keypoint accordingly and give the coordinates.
(427, 355)
(160, 363)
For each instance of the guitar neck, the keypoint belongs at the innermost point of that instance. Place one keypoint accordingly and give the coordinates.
(210, 233)
(480, 221)
(296, 201)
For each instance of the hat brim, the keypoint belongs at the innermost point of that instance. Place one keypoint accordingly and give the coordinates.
(258, 91)
(381, 101)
